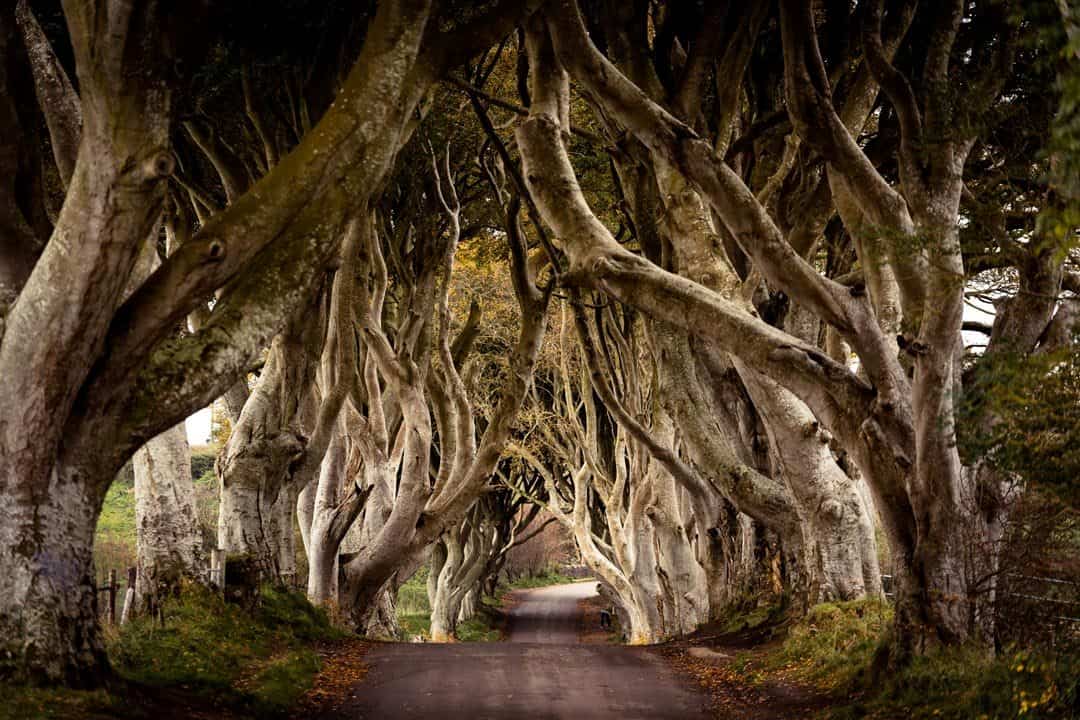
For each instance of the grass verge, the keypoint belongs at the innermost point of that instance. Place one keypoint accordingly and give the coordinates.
(831, 650)
(205, 653)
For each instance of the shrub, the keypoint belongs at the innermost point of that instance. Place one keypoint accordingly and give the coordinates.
(202, 460)
(964, 683)
(834, 645)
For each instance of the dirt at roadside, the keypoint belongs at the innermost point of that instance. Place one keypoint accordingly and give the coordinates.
(710, 658)
(342, 669)
(722, 664)
(589, 630)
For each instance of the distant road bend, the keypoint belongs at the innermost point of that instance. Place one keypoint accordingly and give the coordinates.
(541, 672)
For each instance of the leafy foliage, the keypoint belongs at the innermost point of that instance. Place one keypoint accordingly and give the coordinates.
(1037, 401)
(202, 460)
(833, 648)
(962, 683)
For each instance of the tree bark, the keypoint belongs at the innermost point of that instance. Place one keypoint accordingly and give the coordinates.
(168, 539)
(53, 338)
(48, 611)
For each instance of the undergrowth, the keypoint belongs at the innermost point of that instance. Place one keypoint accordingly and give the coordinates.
(963, 683)
(262, 660)
(833, 648)
(833, 643)
(257, 662)
(30, 703)
(478, 629)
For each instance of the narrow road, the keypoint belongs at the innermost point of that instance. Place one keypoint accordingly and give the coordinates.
(541, 672)
(549, 615)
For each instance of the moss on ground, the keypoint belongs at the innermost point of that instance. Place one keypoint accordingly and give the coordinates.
(262, 660)
(833, 647)
(833, 644)
(258, 663)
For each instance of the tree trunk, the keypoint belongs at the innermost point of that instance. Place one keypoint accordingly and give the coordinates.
(168, 537)
(322, 550)
(445, 566)
(48, 610)
(470, 604)
(257, 461)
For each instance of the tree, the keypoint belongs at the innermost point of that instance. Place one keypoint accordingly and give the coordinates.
(898, 427)
(805, 196)
(81, 368)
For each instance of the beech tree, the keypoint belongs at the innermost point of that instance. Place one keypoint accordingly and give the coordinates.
(85, 377)
(896, 423)
(763, 223)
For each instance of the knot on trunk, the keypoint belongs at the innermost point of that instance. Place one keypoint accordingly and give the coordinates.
(159, 165)
(215, 250)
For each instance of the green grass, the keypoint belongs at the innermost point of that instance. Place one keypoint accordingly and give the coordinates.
(207, 501)
(414, 610)
(413, 624)
(283, 680)
(118, 512)
(262, 661)
(412, 597)
(834, 642)
(963, 683)
(258, 663)
(479, 629)
(114, 540)
(833, 647)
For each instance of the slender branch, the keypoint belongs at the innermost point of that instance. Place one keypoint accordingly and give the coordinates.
(473, 92)
(56, 96)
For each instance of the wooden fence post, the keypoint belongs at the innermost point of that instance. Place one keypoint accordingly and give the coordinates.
(114, 587)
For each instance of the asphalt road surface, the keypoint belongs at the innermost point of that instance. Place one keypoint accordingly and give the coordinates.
(540, 672)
